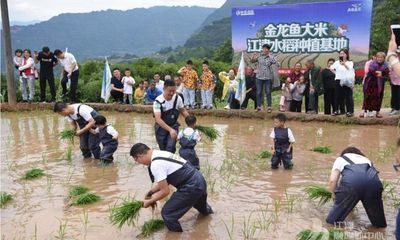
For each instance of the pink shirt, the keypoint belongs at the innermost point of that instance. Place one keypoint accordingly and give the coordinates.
(394, 78)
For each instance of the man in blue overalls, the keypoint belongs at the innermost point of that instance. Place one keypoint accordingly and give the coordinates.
(359, 181)
(81, 115)
(168, 168)
(167, 108)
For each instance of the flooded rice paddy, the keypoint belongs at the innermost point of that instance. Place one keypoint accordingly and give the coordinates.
(249, 200)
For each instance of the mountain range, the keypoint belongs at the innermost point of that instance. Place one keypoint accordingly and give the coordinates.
(138, 31)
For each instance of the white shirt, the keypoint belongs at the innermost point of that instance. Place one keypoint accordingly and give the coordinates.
(290, 135)
(128, 83)
(179, 89)
(162, 168)
(189, 133)
(18, 61)
(160, 85)
(357, 159)
(167, 105)
(29, 64)
(67, 62)
(341, 71)
(110, 130)
(84, 111)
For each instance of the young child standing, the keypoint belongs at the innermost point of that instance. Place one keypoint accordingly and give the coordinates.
(286, 96)
(188, 139)
(297, 95)
(128, 82)
(282, 143)
(108, 138)
(18, 60)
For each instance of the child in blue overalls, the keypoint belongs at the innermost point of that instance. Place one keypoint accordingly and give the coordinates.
(188, 139)
(282, 146)
(108, 138)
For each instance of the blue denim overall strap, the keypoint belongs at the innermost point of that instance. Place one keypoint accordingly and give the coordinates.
(188, 143)
(180, 176)
(106, 138)
(359, 182)
(170, 117)
(80, 120)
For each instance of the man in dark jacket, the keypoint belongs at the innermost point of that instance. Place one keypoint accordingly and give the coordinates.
(312, 77)
(251, 92)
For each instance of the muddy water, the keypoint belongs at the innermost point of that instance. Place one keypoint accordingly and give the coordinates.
(249, 200)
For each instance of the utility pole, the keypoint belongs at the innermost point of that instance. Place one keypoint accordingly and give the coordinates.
(12, 96)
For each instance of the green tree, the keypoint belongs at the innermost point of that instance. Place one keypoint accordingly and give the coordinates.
(385, 13)
(225, 52)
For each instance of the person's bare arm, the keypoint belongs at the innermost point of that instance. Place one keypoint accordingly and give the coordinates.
(72, 69)
(88, 126)
(162, 190)
(62, 72)
(165, 126)
(184, 112)
(333, 180)
(392, 58)
(273, 146)
(73, 125)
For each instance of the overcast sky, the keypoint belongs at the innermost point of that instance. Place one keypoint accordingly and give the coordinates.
(29, 10)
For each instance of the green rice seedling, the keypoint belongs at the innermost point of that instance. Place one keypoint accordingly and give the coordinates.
(61, 230)
(4, 198)
(35, 236)
(396, 203)
(126, 212)
(290, 202)
(68, 153)
(332, 234)
(209, 132)
(230, 229)
(151, 226)
(249, 228)
(68, 134)
(85, 220)
(33, 173)
(49, 183)
(318, 192)
(84, 199)
(77, 190)
(322, 149)
(265, 154)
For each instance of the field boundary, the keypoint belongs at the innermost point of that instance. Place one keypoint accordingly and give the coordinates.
(221, 113)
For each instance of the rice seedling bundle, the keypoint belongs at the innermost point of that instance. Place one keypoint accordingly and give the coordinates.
(67, 135)
(4, 199)
(77, 190)
(126, 212)
(85, 198)
(209, 132)
(322, 149)
(332, 234)
(318, 192)
(33, 173)
(265, 154)
(151, 226)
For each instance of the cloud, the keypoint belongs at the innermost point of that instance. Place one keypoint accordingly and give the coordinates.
(28, 10)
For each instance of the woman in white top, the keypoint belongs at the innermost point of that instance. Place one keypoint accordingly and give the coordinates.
(359, 181)
(344, 79)
(28, 76)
